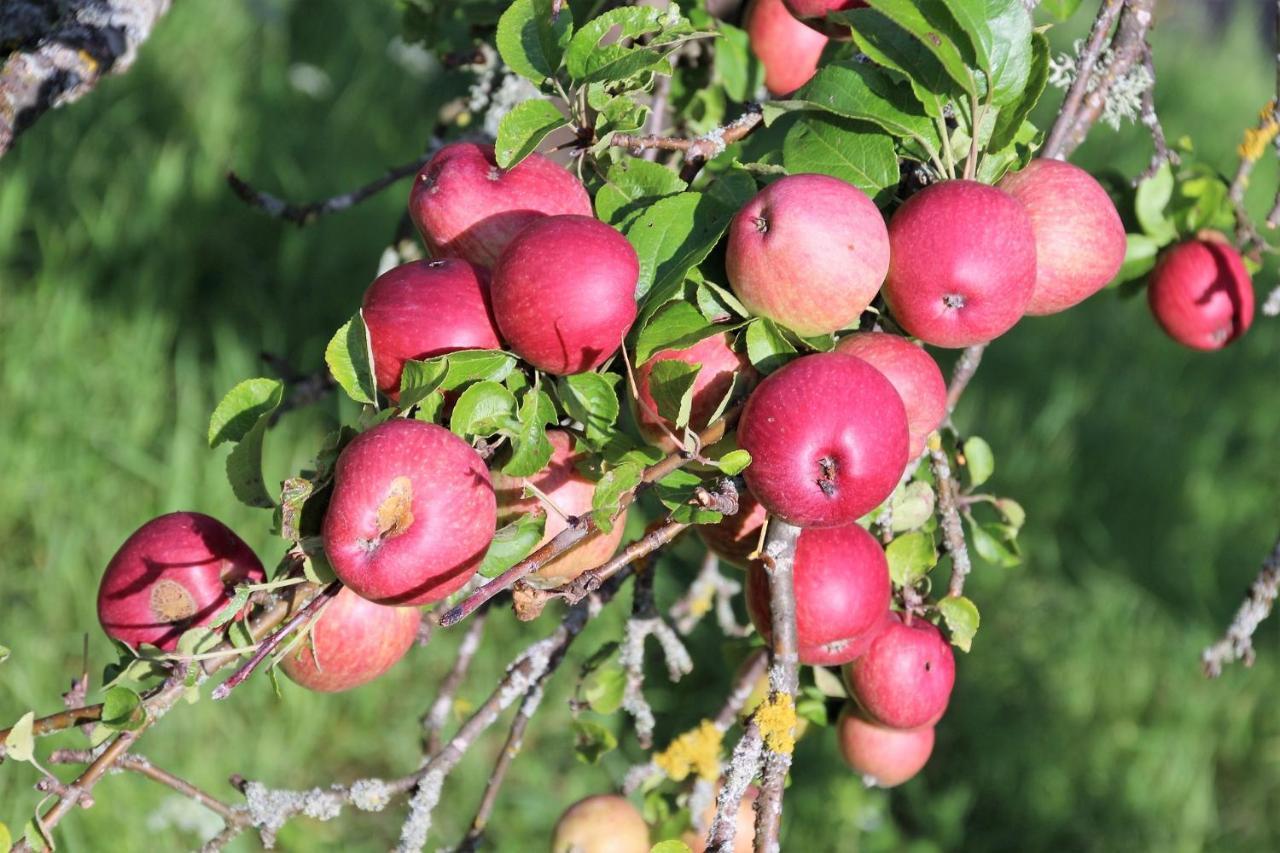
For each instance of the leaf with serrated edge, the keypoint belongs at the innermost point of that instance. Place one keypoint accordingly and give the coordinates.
(347, 357)
(522, 130)
(529, 41)
(961, 616)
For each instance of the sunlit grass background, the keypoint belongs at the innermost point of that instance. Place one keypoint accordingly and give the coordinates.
(134, 290)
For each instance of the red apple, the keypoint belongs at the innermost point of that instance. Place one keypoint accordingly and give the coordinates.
(842, 592)
(352, 642)
(963, 263)
(175, 572)
(905, 678)
(744, 821)
(412, 513)
(814, 13)
(571, 493)
(564, 293)
(827, 434)
(720, 364)
(914, 374)
(466, 207)
(809, 251)
(1201, 293)
(735, 537)
(885, 757)
(424, 309)
(605, 823)
(787, 49)
(1080, 241)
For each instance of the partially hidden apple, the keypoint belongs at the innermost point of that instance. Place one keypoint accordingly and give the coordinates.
(604, 823)
(962, 263)
(842, 592)
(1080, 240)
(175, 572)
(744, 821)
(787, 49)
(570, 493)
(352, 642)
(828, 439)
(1201, 294)
(809, 251)
(883, 756)
(424, 309)
(814, 13)
(904, 679)
(721, 370)
(564, 293)
(736, 537)
(412, 513)
(465, 206)
(913, 373)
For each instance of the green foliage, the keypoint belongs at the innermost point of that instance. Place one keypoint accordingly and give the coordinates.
(350, 361)
(532, 42)
(242, 418)
(512, 543)
(523, 129)
(911, 556)
(961, 616)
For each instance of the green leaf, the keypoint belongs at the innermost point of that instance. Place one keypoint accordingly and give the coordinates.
(961, 616)
(603, 681)
(475, 365)
(6, 840)
(991, 547)
(242, 408)
(911, 556)
(20, 745)
(122, 710)
(859, 91)
(1014, 515)
(234, 606)
(531, 449)
(1061, 9)
(673, 235)
(615, 483)
(522, 130)
(512, 543)
(530, 43)
(671, 384)
(630, 185)
(912, 506)
(672, 845)
(483, 409)
(979, 461)
(1149, 204)
(4, 653)
(621, 113)
(1140, 254)
(591, 400)
(592, 741)
(294, 494)
(829, 145)
(767, 348)
(736, 67)
(1000, 32)
(938, 36)
(35, 837)
(734, 462)
(419, 379)
(1011, 117)
(588, 61)
(828, 683)
(350, 361)
(888, 45)
(676, 325)
(811, 705)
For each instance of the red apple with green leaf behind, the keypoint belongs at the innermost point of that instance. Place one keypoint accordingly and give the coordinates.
(744, 835)
(424, 309)
(570, 493)
(788, 49)
(564, 293)
(736, 537)
(842, 592)
(351, 643)
(904, 679)
(962, 263)
(467, 207)
(1080, 240)
(722, 370)
(175, 572)
(827, 434)
(814, 13)
(604, 823)
(809, 252)
(412, 513)
(884, 757)
(913, 373)
(1201, 294)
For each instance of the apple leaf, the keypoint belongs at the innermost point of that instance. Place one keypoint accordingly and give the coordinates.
(1000, 32)
(351, 362)
(1139, 258)
(1061, 9)
(994, 543)
(734, 64)
(512, 543)
(717, 303)
(122, 710)
(910, 557)
(522, 130)
(979, 461)
(592, 741)
(615, 483)
(938, 34)
(590, 399)
(1009, 121)
(676, 325)
(828, 683)
(603, 680)
(734, 462)
(1014, 515)
(474, 365)
(242, 417)
(671, 845)
(20, 745)
(672, 235)
(889, 46)
(630, 185)
(6, 839)
(864, 92)
(1149, 205)
(829, 145)
(530, 448)
(961, 616)
(530, 42)
(811, 705)
(483, 409)
(419, 379)
(589, 61)
(767, 348)
(912, 506)
(671, 384)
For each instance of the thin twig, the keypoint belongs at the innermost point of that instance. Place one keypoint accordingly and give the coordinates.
(966, 367)
(1237, 643)
(434, 722)
(949, 514)
(698, 149)
(1151, 121)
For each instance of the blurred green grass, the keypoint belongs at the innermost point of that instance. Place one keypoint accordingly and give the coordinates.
(134, 290)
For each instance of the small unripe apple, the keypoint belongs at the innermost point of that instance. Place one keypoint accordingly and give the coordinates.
(809, 251)
(719, 366)
(913, 373)
(412, 513)
(842, 592)
(571, 494)
(467, 207)
(787, 49)
(1080, 240)
(814, 13)
(904, 679)
(827, 434)
(962, 263)
(564, 293)
(736, 537)
(605, 823)
(883, 756)
(744, 821)
(175, 572)
(352, 642)
(424, 309)
(1201, 293)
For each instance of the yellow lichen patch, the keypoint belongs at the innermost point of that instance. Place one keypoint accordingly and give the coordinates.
(1256, 139)
(701, 605)
(776, 719)
(695, 751)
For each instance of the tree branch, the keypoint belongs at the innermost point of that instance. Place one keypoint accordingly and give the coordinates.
(1237, 643)
(434, 722)
(699, 149)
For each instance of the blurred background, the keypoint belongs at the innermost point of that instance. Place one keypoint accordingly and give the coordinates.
(135, 290)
